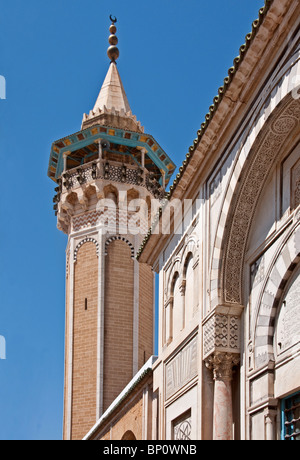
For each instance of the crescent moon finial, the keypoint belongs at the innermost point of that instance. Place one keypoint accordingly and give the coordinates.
(113, 50)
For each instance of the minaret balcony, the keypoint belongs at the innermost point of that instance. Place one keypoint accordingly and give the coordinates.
(112, 171)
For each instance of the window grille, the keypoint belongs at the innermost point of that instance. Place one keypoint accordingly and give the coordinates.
(291, 418)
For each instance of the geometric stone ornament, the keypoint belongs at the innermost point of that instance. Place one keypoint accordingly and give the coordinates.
(221, 331)
(182, 428)
(181, 368)
(239, 223)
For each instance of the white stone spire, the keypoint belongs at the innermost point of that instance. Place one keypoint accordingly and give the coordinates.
(112, 107)
(112, 94)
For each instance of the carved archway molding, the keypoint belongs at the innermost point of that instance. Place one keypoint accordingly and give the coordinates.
(281, 271)
(282, 125)
(277, 131)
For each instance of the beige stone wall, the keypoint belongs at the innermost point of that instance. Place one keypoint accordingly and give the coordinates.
(118, 320)
(84, 378)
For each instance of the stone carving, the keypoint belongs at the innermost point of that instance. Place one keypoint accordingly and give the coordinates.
(288, 326)
(221, 332)
(221, 364)
(250, 190)
(283, 271)
(79, 176)
(109, 170)
(182, 368)
(182, 428)
(295, 198)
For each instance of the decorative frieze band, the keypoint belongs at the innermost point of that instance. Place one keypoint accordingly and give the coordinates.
(182, 368)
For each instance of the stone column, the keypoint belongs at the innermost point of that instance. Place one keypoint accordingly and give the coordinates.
(65, 156)
(182, 287)
(221, 349)
(221, 364)
(270, 424)
(168, 321)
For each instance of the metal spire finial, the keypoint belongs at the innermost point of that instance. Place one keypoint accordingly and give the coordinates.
(113, 50)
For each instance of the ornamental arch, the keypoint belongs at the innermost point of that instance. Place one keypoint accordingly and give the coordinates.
(241, 199)
(281, 271)
(176, 270)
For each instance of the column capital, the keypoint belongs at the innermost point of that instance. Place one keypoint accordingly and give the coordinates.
(221, 364)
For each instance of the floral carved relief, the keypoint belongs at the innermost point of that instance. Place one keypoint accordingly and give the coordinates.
(263, 159)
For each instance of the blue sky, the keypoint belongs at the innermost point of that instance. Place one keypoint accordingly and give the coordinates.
(174, 55)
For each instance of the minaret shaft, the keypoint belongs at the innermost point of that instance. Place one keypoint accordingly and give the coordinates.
(107, 177)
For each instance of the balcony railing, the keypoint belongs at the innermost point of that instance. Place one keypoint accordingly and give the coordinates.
(112, 171)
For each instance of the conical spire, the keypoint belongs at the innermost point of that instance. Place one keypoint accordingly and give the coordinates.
(112, 107)
(112, 94)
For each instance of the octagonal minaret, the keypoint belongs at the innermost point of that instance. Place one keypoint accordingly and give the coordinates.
(106, 176)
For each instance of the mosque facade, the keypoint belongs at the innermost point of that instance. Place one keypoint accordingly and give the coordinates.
(223, 241)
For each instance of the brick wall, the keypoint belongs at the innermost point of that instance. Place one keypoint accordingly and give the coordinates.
(85, 341)
(66, 382)
(118, 320)
(118, 330)
(145, 314)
